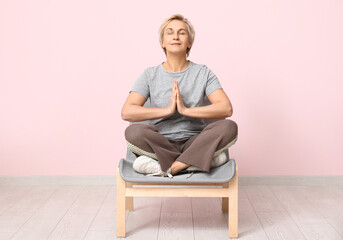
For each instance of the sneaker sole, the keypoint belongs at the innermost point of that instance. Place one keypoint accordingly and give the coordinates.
(139, 151)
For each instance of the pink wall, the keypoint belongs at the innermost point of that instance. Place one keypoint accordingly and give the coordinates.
(66, 68)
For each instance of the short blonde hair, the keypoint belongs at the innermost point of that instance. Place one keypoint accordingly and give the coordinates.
(190, 28)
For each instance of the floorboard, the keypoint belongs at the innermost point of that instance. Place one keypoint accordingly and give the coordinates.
(89, 213)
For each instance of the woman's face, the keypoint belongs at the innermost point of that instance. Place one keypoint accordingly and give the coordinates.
(176, 39)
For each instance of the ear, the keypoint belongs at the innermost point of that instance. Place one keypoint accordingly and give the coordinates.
(189, 46)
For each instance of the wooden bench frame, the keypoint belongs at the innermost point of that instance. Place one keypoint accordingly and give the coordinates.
(228, 193)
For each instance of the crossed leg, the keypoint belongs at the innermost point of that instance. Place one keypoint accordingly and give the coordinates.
(198, 150)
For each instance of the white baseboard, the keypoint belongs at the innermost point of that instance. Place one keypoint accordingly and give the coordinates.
(291, 180)
(57, 180)
(111, 180)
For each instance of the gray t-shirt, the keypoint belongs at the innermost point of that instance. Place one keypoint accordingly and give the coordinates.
(195, 84)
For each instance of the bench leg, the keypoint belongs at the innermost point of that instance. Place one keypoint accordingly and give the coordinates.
(225, 200)
(120, 206)
(233, 207)
(129, 200)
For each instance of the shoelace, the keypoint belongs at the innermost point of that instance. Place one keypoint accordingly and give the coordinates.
(163, 174)
(190, 175)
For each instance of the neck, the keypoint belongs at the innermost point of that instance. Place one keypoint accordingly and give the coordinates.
(176, 63)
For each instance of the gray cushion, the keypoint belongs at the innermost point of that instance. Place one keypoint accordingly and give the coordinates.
(221, 174)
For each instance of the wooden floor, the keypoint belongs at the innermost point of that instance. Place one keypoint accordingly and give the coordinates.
(89, 212)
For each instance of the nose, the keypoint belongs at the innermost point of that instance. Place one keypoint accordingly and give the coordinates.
(176, 36)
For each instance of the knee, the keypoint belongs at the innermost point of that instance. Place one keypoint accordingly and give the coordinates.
(228, 127)
(136, 131)
(133, 131)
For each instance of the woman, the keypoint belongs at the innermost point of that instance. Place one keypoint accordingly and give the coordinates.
(183, 95)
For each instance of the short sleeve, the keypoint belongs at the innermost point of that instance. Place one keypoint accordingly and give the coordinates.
(212, 83)
(141, 85)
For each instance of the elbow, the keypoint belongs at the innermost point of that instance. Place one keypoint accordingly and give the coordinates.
(124, 115)
(128, 114)
(226, 110)
(229, 112)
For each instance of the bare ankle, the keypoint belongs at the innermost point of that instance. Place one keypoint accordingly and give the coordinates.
(177, 167)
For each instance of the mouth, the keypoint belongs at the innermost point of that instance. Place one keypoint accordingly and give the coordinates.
(176, 44)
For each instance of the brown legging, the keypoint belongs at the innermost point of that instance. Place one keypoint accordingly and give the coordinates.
(197, 150)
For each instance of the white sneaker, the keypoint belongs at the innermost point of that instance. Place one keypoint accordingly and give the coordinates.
(219, 160)
(151, 167)
(216, 162)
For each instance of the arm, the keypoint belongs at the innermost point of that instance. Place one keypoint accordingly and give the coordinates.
(220, 107)
(133, 110)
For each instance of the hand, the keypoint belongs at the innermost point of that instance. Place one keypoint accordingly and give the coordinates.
(171, 109)
(179, 103)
